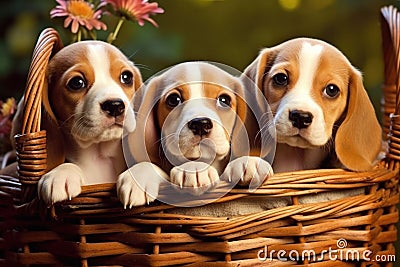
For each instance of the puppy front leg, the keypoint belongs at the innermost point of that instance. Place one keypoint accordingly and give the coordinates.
(139, 185)
(61, 183)
(247, 170)
(196, 177)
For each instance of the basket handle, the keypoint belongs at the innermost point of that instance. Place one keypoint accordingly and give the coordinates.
(48, 44)
(31, 142)
(390, 26)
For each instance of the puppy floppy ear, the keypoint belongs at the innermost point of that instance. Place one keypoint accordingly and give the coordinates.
(252, 80)
(239, 133)
(257, 69)
(46, 106)
(241, 102)
(138, 78)
(259, 114)
(55, 140)
(358, 139)
(144, 141)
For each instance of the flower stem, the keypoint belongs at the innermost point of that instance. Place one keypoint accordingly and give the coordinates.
(93, 35)
(79, 37)
(113, 36)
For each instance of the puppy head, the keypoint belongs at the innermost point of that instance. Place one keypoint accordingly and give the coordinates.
(195, 108)
(90, 84)
(313, 90)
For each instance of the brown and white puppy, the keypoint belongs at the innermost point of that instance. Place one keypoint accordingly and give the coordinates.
(189, 119)
(321, 110)
(86, 98)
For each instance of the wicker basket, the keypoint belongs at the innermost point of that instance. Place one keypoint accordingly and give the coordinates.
(94, 230)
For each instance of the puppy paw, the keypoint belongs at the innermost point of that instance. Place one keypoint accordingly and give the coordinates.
(139, 185)
(61, 183)
(195, 177)
(247, 170)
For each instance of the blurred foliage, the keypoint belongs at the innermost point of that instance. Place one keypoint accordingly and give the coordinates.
(231, 32)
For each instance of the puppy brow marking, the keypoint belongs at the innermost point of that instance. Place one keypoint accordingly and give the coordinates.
(308, 62)
(102, 64)
(309, 55)
(301, 95)
(195, 75)
(196, 89)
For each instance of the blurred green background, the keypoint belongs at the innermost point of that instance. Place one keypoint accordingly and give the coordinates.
(226, 31)
(231, 32)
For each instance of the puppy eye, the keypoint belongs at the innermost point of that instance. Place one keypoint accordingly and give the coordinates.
(76, 83)
(224, 101)
(173, 100)
(331, 91)
(280, 79)
(126, 77)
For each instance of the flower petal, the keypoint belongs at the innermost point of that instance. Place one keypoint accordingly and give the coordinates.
(79, 12)
(67, 21)
(138, 10)
(75, 26)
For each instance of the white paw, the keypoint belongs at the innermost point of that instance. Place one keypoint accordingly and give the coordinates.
(61, 183)
(194, 177)
(248, 170)
(139, 185)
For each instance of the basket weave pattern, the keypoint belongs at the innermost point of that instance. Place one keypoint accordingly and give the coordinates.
(93, 229)
(31, 142)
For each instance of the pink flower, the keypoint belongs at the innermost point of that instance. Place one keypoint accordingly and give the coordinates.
(79, 12)
(139, 10)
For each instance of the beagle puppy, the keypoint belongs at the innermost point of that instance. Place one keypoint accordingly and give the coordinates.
(191, 122)
(86, 98)
(321, 110)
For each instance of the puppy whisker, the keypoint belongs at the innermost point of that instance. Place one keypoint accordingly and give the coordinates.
(266, 124)
(329, 145)
(81, 125)
(264, 129)
(163, 141)
(140, 66)
(171, 137)
(133, 54)
(143, 67)
(265, 116)
(71, 117)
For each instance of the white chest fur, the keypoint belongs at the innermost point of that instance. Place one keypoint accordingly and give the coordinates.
(288, 158)
(101, 162)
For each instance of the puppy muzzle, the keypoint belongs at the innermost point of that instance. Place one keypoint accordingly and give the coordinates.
(298, 129)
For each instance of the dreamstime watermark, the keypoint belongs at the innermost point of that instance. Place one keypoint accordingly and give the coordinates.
(341, 253)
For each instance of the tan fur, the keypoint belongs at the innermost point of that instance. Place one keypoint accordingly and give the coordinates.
(153, 111)
(79, 131)
(158, 111)
(194, 168)
(358, 139)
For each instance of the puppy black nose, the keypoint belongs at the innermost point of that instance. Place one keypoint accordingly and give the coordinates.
(300, 119)
(200, 126)
(114, 107)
